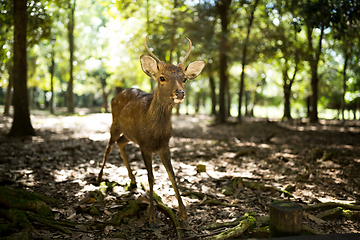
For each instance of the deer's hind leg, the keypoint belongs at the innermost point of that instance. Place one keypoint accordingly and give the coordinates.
(147, 156)
(122, 142)
(115, 132)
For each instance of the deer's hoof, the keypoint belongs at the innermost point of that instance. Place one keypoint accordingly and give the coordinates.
(152, 225)
(184, 223)
(98, 181)
(131, 186)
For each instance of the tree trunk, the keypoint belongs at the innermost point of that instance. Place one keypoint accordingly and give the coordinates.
(346, 58)
(241, 90)
(243, 58)
(52, 68)
(173, 31)
(247, 93)
(212, 92)
(105, 96)
(33, 98)
(8, 90)
(287, 94)
(21, 125)
(223, 11)
(152, 85)
(197, 101)
(252, 102)
(356, 104)
(287, 90)
(187, 102)
(105, 101)
(314, 94)
(70, 94)
(314, 62)
(288, 85)
(228, 99)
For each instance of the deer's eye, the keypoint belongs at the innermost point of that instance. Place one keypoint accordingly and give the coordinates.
(162, 79)
(185, 79)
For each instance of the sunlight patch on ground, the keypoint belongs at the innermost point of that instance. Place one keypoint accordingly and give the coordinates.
(62, 175)
(331, 199)
(99, 136)
(93, 126)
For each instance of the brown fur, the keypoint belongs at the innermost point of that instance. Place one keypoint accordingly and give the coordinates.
(145, 119)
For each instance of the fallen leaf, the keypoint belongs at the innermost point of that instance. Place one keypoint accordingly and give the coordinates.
(107, 229)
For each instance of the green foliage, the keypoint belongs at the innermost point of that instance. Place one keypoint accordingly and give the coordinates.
(109, 38)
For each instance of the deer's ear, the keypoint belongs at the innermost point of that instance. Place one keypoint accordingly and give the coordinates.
(194, 69)
(149, 65)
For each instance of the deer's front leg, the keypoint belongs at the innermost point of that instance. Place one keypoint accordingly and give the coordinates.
(164, 155)
(147, 156)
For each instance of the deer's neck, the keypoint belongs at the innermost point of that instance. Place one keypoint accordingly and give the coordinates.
(160, 111)
(159, 122)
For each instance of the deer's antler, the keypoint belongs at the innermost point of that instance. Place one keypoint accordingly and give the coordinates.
(188, 53)
(158, 60)
(150, 52)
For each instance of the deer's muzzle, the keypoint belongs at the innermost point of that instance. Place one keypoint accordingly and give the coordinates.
(179, 96)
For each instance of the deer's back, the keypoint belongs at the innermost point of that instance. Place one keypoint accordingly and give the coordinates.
(130, 97)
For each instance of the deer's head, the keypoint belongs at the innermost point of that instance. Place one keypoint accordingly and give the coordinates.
(170, 78)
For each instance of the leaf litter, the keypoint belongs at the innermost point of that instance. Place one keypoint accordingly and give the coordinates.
(224, 173)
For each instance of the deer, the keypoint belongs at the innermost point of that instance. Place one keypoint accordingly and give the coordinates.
(145, 119)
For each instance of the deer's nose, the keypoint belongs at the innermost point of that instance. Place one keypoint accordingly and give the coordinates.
(180, 94)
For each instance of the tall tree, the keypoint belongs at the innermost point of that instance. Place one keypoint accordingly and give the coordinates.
(8, 89)
(288, 47)
(346, 30)
(204, 17)
(210, 73)
(21, 125)
(101, 76)
(38, 28)
(244, 53)
(316, 16)
(70, 94)
(314, 59)
(6, 36)
(173, 30)
(223, 7)
(51, 70)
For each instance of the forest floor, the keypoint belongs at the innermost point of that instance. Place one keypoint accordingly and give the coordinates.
(315, 162)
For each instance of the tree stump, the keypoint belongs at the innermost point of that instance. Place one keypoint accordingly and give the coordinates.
(285, 219)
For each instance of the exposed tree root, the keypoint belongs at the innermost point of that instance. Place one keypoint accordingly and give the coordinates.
(21, 200)
(217, 202)
(310, 230)
(238, 226)
(18, 220)
(130, 211)
(236, 231)
(329, 205)
(50, 222)
(18, 236)
(226, 224)
(198, 195)
(22, 209)
(168, 212)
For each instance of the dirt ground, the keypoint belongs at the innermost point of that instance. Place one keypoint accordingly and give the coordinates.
(315, 162)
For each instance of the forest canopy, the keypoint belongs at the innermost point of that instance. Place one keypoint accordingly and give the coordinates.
(268, 58)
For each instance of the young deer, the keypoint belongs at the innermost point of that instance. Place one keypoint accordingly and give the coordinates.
(145, 119)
